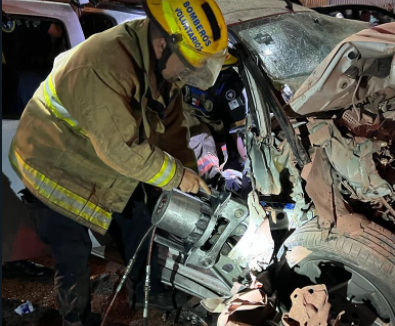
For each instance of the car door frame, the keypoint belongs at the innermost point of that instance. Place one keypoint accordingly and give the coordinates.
(119, 13)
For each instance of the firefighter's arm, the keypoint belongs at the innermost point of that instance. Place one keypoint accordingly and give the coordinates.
(175, 140)
(100, 102)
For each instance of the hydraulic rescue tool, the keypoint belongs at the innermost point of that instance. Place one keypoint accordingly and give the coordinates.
(201, 231)
(198, 237)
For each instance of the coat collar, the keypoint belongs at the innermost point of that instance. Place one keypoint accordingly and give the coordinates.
(148, 58)
(149, 63)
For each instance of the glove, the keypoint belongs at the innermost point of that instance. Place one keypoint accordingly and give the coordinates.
(233, 179)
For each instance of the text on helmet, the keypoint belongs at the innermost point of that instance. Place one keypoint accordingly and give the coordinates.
(196, 22)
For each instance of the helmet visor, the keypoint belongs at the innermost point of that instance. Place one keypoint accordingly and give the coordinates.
(205, 69)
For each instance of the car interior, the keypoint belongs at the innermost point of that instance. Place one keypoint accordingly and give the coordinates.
(95, 23)
(29, 47)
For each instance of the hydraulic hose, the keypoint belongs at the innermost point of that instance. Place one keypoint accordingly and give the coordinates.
(125, 275)
(147, 285)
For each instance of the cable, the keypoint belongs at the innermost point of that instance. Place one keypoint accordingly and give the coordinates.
(359, 115)
(125, 275)
(147, 285)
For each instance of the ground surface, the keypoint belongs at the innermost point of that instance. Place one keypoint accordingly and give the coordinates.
(104, 277)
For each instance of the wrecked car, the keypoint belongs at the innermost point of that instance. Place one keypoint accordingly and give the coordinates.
(322, 170)
(328, 152)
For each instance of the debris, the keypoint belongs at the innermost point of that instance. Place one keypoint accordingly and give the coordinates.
(250, 306)
(323, 189)
(24, 308)
(246, 301)
(336, 321)
(319, 188)
(253, 284)
(217, 305)
(214, 305)
(364, 126)
(310, 307)
(346, 165)
(296, 255)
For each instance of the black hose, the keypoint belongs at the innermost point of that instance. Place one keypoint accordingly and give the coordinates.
(125, 275)
(147, 285)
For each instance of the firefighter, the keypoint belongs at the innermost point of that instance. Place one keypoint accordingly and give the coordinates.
(108, 119)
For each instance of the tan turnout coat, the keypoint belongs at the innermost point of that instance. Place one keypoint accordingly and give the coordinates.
(99, 125)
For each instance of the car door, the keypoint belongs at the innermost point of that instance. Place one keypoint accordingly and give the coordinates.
(34, 32)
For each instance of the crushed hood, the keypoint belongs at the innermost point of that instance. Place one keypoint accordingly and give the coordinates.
(335, 83)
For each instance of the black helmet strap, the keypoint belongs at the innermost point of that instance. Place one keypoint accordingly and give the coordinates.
(167, 52)
(162, 62)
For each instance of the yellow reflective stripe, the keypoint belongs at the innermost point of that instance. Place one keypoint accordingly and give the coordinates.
(52, 88)
(170, 176)
(159, 174)
(34, 178)
(165, 174)
(93, 211)
(56, 107)
(59, 195)
(51, 101)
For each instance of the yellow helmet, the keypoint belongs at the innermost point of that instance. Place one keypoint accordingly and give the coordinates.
(196, 32)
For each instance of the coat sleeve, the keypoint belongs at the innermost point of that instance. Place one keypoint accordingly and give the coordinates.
(99, 99)
(176, 138)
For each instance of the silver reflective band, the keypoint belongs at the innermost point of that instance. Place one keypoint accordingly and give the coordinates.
(166, 173)
(59, 195)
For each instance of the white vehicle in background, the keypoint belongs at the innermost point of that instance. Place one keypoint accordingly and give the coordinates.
(72, 26)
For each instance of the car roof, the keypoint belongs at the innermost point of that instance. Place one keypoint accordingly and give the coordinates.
(330, 8)
(235, 11)
(240, 11)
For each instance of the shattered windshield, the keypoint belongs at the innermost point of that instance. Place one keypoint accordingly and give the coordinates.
(292, 45)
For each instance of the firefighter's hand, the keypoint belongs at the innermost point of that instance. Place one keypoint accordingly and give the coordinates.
(191, 182)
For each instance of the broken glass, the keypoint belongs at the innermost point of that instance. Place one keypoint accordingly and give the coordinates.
(292, 45)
